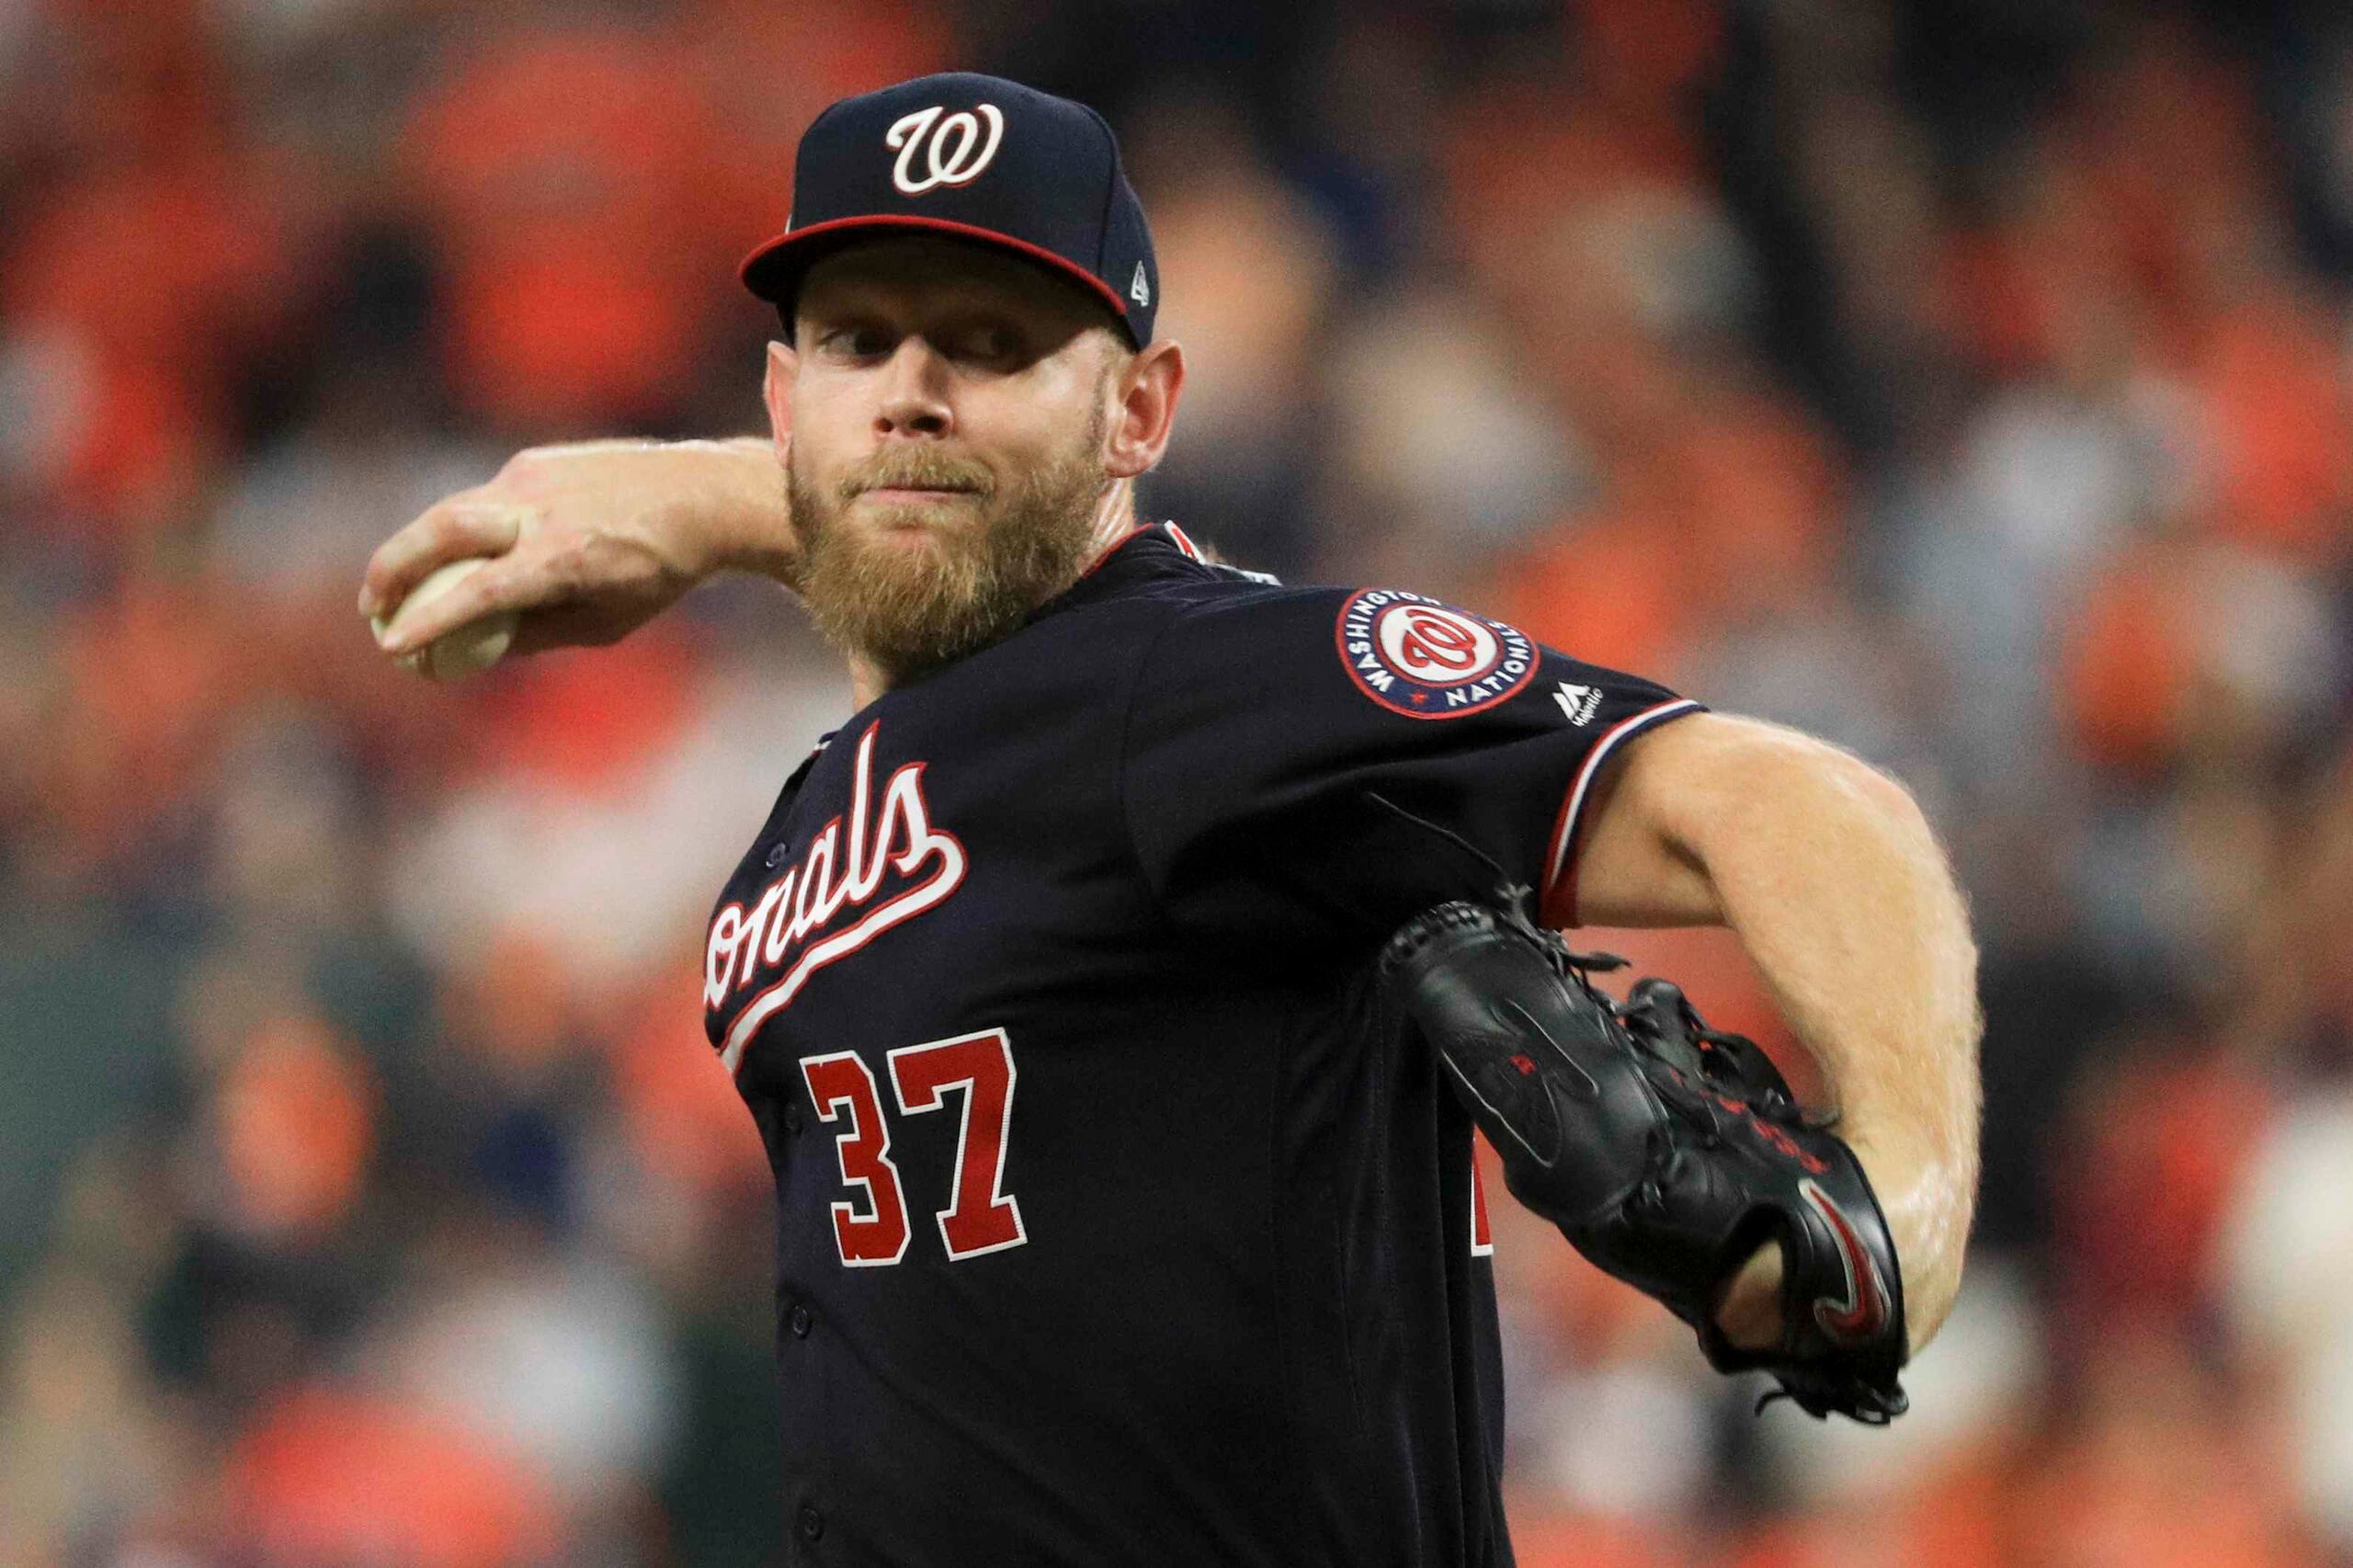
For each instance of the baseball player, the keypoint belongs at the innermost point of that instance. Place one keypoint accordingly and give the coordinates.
(1117, 989)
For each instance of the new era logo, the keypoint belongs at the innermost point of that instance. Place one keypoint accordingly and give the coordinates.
(1140, 290)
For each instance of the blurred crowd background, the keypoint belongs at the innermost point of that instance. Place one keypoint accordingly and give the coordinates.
(1966, 380)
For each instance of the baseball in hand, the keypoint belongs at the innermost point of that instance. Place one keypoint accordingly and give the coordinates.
(471, 648)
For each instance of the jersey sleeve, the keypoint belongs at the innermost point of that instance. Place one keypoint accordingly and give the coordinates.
(1318, 766)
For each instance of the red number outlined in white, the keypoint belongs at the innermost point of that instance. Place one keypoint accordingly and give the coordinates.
(879, 1237)
(981, 1216)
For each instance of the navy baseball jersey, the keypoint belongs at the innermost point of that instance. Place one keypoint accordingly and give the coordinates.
(1115, 1223)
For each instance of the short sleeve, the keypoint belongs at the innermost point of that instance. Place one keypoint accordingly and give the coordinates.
(1316, 766)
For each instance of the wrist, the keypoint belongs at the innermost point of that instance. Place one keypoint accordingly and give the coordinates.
(737, 519)
(1926, 1195)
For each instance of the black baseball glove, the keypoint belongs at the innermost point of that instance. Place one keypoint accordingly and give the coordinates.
(1667, 1152)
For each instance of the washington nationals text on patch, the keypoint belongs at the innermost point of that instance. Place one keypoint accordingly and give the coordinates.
(1426, 660)
(1113, 1226)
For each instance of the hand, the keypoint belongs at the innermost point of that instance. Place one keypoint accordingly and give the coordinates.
(588, 542)
(1748, 1305)
(1748, 1308)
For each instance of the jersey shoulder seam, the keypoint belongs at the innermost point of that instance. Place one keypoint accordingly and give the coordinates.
(1176, 613)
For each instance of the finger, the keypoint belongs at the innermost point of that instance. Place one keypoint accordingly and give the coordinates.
(503, 584)
(465, 525)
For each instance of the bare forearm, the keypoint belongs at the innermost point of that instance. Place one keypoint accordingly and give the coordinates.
(586, 542)
(732, 513)
(1840, 893)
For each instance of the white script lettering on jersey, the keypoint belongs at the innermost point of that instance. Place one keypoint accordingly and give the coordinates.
(954, 149)
(885, 865)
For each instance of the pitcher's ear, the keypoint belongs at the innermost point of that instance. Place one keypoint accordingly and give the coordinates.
(775, 389)
(1148, 388)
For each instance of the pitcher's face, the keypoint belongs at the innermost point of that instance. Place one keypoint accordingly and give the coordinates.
(947, 411)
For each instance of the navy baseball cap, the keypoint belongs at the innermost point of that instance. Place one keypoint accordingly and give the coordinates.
(979, 158)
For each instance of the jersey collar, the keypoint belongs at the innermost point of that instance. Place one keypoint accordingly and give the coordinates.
(1153, 553)
(1167, 532)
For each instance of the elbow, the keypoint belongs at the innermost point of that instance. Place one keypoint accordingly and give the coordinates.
(1884, 792)
(1830, 773)
(1752, 768)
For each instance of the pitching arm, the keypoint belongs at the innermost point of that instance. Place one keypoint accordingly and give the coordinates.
(590, 539)
(1836, 887)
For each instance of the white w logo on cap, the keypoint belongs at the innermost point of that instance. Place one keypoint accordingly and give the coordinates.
(954, 148)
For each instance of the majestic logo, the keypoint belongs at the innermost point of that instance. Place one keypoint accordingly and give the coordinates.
(890, 865)
(953, 150)
(1864, 1314)
(1579, 703)
(1418, 657)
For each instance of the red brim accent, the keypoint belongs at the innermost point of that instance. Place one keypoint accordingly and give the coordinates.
(762, 275)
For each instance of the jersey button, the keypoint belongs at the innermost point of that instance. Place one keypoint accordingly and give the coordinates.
(813, 1523)
(792, 1119)
(803, 1320)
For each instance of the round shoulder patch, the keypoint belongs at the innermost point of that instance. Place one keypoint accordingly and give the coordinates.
(1426, 660)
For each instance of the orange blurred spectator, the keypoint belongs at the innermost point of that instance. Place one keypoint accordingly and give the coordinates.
(1544, 1538)
(2275, 414)
(294, 1119)
(138, 84)
(2161, 1130)
(1729, 513)
(114, 447)
(1651, 53)
(179, 265)
(678, 1106)
(1608, 590)
(1759, 509)
(331, 1480)
(1949, 1520)
(771, 69)
(511, 1009)
(141, 289)
(588, 727)
(2131, 662)
(573, 179)
(150, 675)
(1520, 151)
(2196, 649)
(2158, 1470)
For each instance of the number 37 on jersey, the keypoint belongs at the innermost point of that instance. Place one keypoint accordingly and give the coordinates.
(871, 1227)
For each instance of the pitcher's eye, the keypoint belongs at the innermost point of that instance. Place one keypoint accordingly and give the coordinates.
(856, 342)
(988, 342)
